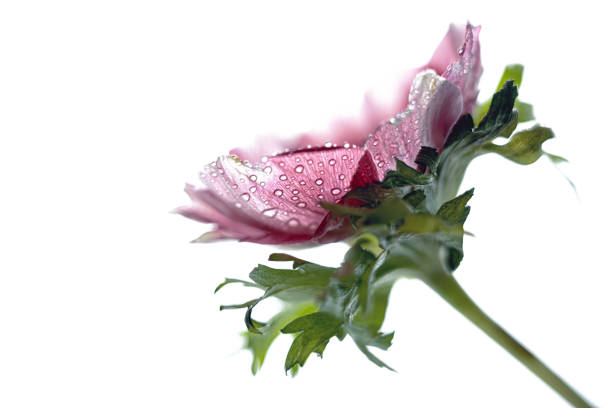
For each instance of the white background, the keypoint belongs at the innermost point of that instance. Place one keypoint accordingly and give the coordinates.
(107, 108)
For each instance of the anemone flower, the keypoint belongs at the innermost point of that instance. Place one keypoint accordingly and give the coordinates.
(259, 196)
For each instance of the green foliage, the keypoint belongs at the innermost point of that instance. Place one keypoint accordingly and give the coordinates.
(409, 225)
(525, 111)
(524, 147)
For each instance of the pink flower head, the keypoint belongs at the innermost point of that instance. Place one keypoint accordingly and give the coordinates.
(275, 199)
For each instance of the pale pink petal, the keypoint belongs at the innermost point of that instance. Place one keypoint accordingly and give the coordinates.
(276, 201)
(435, 105)
(465, 71)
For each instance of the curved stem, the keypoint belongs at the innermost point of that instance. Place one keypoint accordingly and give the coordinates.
(445, 285)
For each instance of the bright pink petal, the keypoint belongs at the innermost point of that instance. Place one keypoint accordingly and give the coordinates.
(276, 201)
(435, 105)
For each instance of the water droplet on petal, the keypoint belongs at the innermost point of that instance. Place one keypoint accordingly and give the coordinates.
(341, 176)
(253, 177)
(344, 157)
(270, 212)
(238, 205)
(332, 162)
(336, 191)
(295, 198)
(235, 186)
(282, 164)
(293, 222)
(296, 192)
(301, 204)
(302, 182)
(347, 145)
(320, 164)
(319, 181)
(278, 192)
(283, 177)
(267, 169)
(252, 189)
(299, 168)
(320, 196)
(328, 144)
(245, 196)
(264, 159)
(309, 161)
(380, 164)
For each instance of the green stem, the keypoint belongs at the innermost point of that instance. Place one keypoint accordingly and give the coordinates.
(449, 289)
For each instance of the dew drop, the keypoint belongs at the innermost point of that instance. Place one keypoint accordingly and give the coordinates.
(238, 205)
(341, 176)
(282, 164)
(264, 159)
(336, 191)
(278, 192)
(344, 157)
(245, 196)
(319, 181)
(296, 192)
(301, 204)
(261, 183)
(299, 168)
(293, 222)
(328, 144)
(302, 182)
(270, 212)
(253, 177)
(320, 164)
(309, 161)
(267, 169)
(252, 189)
(282, 177)
(213, 174)
(347, 145)
(235, 186)
(332, 162)
(380, 164)
(320, 196)
(295, 198)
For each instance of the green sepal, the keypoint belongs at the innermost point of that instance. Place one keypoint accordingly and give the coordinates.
(404, 175)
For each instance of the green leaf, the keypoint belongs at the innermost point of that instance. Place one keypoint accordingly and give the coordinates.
(316, 329)
(227, 281)
(524, 147)
(259, 344)
(428, 158)
(304, 275)
(404, 175)
(456, 210)
(500, 110)
(280, 257)
(525, 111)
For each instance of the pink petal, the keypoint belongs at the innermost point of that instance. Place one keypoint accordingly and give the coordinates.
(435, 105)
(465, 71)
(276, 201)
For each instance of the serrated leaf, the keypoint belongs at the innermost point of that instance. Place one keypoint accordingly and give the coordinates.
(456, 210)
(259, 344)
(525, 111)
(524, 147)
(404, 175)
(315, 331)
(500, 110)
(306, 274)
(428, 158)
